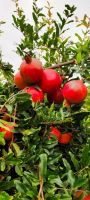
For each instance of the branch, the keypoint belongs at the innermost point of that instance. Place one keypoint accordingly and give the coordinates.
(56, 122)
(62, 64)
(41, 194)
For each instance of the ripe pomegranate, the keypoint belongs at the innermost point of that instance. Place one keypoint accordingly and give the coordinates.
(37, 95)
(87, 197)
(8, 133)
(50, 81)
(75, 91)
(55, 131)
(56, 97)
(79, 193)
(31, 70)
(19, 82)
(65, 138)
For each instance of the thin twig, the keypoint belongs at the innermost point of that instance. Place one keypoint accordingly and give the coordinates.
(55, 122)
(62, 64)
(14, 118)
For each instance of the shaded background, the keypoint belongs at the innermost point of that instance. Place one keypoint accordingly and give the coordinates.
(11, 36)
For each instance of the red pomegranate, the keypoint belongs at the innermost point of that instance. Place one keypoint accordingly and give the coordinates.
(31, 70)
(55, 131)
(87, 197)
(78, 193)
(19, 82)
(8, 132)
(75, 91)
(56, 97)
(50, 81)
(37, 95)
(65, 138)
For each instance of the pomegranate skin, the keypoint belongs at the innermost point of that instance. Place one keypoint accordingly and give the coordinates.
(56, 97)
(79, 193)
(19, 82)
(8, 133)
(75, 91)
(55, 131)
(37, 95)
(50, 81)
(87, 197)
(31, 72)
(65, 138)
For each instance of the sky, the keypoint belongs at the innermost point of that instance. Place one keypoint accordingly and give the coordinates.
(11, 36)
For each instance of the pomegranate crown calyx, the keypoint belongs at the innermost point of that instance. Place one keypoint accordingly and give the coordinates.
(28, 58)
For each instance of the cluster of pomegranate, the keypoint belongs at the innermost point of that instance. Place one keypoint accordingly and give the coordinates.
(64, 138)
(32, 74)
(35, 80)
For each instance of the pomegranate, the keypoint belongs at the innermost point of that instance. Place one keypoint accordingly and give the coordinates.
(65, 138)
(75, 91)
(50, 81)
(79, 193)
(87, 197)
(56, 132)
(56, 97)
(37, 95)
(8, 133)
(31, 70)
(19, 82)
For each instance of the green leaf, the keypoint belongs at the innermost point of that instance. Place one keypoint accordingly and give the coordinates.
(57, 29)
(66, 196)
(35, 17)
(6, 185)
(9, 107)
(2, 140)
(85, 155)
(53, 179)
(79, 57)
(2, 165)
(31, 131)
(43, 165)
(78, 36)
(20, 187)
(74, 160)
(66, 164)
(16, 149)
(71, 178)
(19, 170)
(80, 182)
(4, 196)
(59, 16)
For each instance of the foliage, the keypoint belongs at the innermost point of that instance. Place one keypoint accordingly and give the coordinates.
(31, 165)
